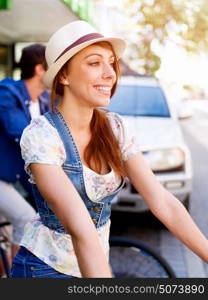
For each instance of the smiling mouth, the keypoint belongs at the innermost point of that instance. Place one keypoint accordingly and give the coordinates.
(105, 90)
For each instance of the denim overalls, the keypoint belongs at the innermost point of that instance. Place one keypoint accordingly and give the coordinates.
(99, 211)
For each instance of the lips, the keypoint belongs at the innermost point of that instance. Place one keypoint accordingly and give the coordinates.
(104, 89)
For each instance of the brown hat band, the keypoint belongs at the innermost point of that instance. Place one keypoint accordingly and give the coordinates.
(83, 39)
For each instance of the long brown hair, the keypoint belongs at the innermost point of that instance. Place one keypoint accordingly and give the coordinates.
(103, 144)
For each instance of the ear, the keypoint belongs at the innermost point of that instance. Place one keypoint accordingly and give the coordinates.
(63, 79)
(39, 70)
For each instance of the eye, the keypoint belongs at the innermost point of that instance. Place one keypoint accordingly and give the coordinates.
(95, 63)
(112, 63)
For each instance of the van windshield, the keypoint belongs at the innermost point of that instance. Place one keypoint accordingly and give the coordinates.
(134, 100)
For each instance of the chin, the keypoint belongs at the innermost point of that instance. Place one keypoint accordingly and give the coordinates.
(104, 102)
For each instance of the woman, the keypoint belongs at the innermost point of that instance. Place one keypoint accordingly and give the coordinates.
(77, 158)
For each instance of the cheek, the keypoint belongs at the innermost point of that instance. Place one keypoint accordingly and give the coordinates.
(87, 80)
(89, 73)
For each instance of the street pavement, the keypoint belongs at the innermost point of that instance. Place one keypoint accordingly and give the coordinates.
(195, 131)
(144, 227)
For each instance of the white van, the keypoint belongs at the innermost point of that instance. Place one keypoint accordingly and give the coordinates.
(143, 105)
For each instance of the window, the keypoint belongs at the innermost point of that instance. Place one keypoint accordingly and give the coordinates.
(135, 100)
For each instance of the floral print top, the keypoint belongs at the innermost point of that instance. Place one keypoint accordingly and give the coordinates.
(41, 143)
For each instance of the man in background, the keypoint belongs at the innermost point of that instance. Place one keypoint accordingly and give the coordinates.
(20, 101)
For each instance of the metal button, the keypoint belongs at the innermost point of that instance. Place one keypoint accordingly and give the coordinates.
(96, 209)
(17, 176)
(94, 220)
(16, 140)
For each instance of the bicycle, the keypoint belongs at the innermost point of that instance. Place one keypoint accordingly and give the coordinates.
(131, 258)
(4, 246)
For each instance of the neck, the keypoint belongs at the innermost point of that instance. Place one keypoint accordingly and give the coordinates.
(35, 87)
(77, 117)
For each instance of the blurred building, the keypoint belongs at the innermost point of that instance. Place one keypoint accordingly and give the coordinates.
(27, 21)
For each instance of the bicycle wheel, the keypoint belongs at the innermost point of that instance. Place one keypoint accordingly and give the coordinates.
(134, 259)
(4, 262)
(3, 249)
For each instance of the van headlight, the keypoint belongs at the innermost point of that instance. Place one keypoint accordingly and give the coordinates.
(166, 159)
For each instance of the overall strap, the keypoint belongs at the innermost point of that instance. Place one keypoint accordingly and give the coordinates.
(72, 154)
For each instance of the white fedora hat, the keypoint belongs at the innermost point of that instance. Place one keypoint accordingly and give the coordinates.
(70, 39)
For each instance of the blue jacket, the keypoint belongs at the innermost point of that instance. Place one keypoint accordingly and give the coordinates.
(14, 117)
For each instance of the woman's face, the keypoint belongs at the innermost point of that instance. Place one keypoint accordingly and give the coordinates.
(91, 75)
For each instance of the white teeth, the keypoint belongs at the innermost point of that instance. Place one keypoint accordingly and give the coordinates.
(103, 88)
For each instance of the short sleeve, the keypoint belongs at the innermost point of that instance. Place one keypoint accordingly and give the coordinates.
(125, 136)
(40, 143)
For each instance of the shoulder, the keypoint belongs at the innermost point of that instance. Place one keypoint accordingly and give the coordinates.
(7, 85)
(7, 81)
(116, 121)
(114, 118)
(39, 128)
(10, 83)
(38, 123)
(125, 135)
(39, 138)
(10, 88)
(40, 143)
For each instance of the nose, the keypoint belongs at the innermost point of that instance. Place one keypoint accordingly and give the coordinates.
(108, 71)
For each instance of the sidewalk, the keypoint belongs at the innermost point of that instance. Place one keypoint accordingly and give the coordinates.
(183, 261)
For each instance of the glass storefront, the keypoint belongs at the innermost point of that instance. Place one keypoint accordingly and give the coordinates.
(82, 8)
(6, 60)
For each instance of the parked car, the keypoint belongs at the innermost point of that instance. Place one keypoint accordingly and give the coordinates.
(146, 110)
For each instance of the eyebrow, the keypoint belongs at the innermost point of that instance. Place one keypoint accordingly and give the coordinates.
(112, 56)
